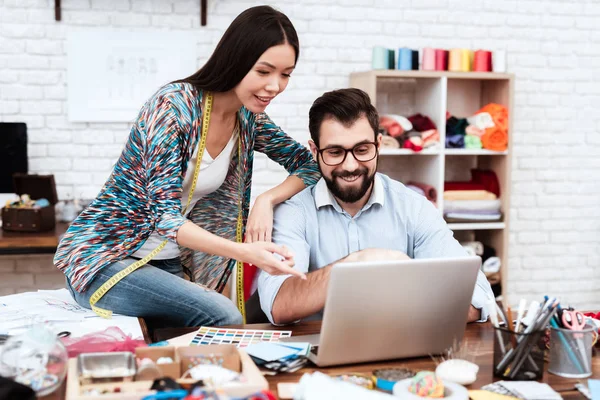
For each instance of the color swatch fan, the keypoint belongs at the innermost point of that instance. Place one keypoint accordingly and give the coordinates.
(237, 337)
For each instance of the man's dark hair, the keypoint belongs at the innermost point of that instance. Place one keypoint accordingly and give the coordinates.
(345, 106)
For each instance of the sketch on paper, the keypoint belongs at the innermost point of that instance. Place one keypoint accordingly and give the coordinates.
(111, 74)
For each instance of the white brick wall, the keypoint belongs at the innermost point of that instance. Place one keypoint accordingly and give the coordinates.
(552, 49)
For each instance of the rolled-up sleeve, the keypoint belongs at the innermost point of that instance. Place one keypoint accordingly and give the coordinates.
(433, 239)
(163, 164)
(289, 227)
(281, 148)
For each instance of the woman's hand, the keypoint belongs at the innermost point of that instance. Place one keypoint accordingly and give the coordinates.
(271, 258)
(260, 221)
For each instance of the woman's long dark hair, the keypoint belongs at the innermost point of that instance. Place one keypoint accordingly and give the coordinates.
(247, 38)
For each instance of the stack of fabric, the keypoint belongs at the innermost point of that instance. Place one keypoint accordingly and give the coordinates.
(416, 132)
(425, 190)
(476, 200)
(487, 129)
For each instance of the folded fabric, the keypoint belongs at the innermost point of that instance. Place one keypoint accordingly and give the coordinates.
(472, 205)
(495, 139)
(391, 126)
(464, 186)
(421, 122)
(468, 195)
(475, 131)
(455, 142)
(472, 142)
(481, 120)
(395, 125)
(491, 265)
(416, 189)
(476, 246)
(472, 217)
(430, 191)
(456, 126)
(430, 137)
(389, 142)
(487, 178)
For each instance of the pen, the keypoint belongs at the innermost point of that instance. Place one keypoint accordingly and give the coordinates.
(520, 313)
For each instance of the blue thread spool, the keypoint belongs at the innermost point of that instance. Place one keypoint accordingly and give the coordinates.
(380, 58)
(405, 59)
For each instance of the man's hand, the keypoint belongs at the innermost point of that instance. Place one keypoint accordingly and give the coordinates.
(474, 314)
(376, 255)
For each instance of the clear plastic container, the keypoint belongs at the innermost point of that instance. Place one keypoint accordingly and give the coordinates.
(36, 358)
(571, 352)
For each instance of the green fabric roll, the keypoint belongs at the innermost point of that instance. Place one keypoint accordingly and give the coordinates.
(472, 142)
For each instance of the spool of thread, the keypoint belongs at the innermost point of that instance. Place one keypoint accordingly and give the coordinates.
(405, 59)
(391, 59)
(499, 61)
(441, 60)
(465, 60)
(380, 58)
(455, 60)
(415, 60)
(429, 59)
(482, 61)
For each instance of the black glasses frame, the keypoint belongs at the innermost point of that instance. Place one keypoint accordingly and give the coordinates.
(320, 152)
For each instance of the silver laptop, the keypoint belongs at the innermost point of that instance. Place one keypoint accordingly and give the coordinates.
(393, 309)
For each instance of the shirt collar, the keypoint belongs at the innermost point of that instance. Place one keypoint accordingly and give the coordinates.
(323, 196)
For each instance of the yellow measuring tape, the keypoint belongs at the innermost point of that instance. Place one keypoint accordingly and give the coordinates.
(109, 284)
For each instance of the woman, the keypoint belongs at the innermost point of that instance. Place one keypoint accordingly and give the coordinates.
(213, 120)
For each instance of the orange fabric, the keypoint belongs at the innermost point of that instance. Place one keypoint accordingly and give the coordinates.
(496, 138)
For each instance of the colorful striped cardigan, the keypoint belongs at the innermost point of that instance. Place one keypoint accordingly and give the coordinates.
(144, 191)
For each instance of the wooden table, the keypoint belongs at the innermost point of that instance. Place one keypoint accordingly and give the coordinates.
(31, 242)
(478, 338)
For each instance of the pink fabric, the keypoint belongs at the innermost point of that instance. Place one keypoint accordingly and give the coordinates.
(107, 341)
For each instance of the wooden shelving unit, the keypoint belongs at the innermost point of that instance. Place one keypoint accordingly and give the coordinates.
(432, 93)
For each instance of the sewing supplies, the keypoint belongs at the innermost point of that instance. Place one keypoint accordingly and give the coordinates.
(212, 375)
(95, 367)
(459, 371)
(363, 380)
(238, 337)
(426, 384)
(147, 370)
(36, 358)
(523, 347)
(386, 378)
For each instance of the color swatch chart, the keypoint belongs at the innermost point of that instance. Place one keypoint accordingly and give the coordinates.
(237, 337)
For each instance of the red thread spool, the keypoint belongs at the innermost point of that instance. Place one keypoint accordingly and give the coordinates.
(482, 61)
(441, 60)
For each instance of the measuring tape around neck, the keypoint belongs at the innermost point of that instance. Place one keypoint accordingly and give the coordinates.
(109, 284)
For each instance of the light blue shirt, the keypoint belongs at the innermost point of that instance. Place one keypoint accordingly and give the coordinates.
(319, 232)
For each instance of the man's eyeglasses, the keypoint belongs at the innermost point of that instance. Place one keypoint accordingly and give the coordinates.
(362, 152)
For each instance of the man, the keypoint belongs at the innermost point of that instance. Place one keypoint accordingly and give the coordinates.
(351, 214)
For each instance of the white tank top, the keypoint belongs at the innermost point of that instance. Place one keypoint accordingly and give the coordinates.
(210, 177)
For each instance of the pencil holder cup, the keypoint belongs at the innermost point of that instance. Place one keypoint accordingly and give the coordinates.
(571, 352)
(518, 356)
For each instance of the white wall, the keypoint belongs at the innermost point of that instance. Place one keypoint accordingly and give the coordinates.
(552, 48)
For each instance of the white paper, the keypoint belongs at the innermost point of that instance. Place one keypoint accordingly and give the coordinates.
(58, 310)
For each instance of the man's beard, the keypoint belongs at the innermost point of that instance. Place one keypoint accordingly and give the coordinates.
(350, 194)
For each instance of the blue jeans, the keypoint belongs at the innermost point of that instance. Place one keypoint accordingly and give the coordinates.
(157, 292)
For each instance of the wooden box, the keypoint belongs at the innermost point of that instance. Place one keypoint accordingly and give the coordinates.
(233, 358)
(32, 219)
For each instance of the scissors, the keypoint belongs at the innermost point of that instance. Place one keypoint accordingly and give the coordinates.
(573, 320)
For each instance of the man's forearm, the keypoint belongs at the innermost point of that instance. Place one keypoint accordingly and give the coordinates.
(299, 298)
